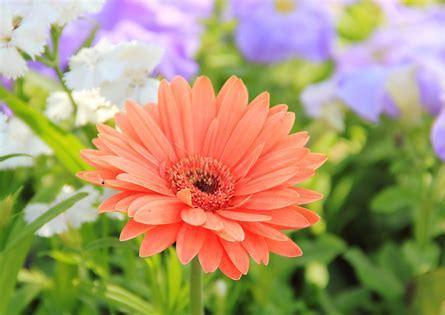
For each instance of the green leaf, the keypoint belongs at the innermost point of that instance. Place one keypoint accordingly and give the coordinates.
(322, 250)
(429, 296)
(10, 265)
(66, 146)
(392, 199)
(10, 156)
(373, 277)
(53, 212)
(113, 294)
(22, 298)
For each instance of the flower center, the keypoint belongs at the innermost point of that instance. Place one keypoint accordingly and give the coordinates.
(210, 182)
(285, 6)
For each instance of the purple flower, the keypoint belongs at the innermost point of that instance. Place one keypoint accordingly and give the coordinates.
(438, 135)
(273, 31)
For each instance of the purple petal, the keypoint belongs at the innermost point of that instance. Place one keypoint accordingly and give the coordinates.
(364, 92)
(438, 135)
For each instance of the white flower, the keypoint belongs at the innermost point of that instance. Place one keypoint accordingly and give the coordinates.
(16, 137)
(92, 66)
(81, 212)
(120, 71)
(91, 107)
(65, 11)
(320, 101)
(21, 30)
(139, 59)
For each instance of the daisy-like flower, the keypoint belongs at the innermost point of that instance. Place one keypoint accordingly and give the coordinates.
(91, 107)
(213, 174)
(20, 31)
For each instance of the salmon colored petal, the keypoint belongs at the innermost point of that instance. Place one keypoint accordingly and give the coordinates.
(311, 216)
(248, 162)
(124, 185)
(301, 138)
(123, 204)
(237, 254)
(185, 196)
(246, 130)
(232, 231)
(232, 108)
(287, 217)
(204, 109)
(170, 115)
(229, 269)
(194, 216)
(133, 229)
(149, 132)
(313, 160)
(210, 253)
(167, 213)
(189, 241)
(274, 198)
(209, 142)
(267, 181)
(307, 195)
(256, 247)
(239, 215)
(110, 203)
(301, 175)
(124, 124)
(213, 222)
(158, 239)
(278, 108)
(265, 230)
(276, 160)
(183, 96)
(284, 248)
(98, 143)
(142, 181)
(144, 200)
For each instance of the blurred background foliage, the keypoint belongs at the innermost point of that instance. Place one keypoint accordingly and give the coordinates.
(379, 248)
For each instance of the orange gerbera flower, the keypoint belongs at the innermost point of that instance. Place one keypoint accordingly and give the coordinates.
(213, 174)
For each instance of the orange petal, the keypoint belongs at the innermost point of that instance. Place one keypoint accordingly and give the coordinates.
(311, 216)
(313, 160)
(123, 204)
(211, 253)
(238, 215)
(237, 255)
(229, 269)
(287, 217)
(194, 216)
(240, 170)
(145, 200)
(189, 241)
(158, 239)
(165, 213)
(274, 198)
(284, 248)
(110, 203)
(213, 222)
(264, 230)
(185, 196)
(307, 195)
(133, 229)
(247, 129)
(256, 247)
(204, 109)
(232, 231)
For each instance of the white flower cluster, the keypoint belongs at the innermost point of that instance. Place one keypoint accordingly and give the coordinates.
(91, 107)
(24, 28)
(17, 138)
(119, 71)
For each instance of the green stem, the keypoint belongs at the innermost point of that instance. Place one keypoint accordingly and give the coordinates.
(196, 300)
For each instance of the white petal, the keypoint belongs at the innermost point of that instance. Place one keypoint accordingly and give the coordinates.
(12, 64)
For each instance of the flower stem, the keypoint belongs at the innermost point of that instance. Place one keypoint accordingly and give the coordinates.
(196, 300)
